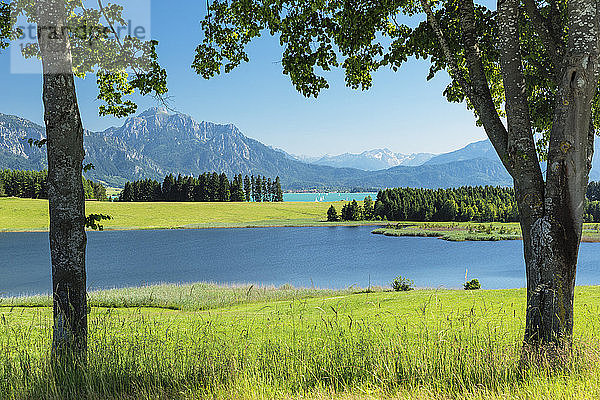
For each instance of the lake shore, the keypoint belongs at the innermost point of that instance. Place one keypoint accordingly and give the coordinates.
(31, 215)
(470, 231)
(453, 231)
(251, 342)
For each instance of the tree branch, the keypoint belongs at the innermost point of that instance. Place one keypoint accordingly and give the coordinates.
(477, 91)
(571, 144)
(553, 45)
(455, 72)
(521, 146)
(482, 97)
(157, 96)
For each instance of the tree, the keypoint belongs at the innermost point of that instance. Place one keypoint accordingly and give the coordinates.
(224, 192)
(264, 189)
(167, 185)
(448, 211)
(351, 212)
(368, 209)
(593, 191)
(213, 187)
(278, 190)
(253, 186)
(270, 190)
(537, 61)
(257, 191)
(64, 135)
(237, 189)
(71, 40)
(332, 214)
(247, 188)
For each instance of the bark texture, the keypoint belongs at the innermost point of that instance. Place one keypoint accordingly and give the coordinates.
(64, 133)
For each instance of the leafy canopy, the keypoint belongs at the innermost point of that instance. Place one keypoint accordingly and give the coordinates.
(361, 36)
(5, 23)
(123, 65)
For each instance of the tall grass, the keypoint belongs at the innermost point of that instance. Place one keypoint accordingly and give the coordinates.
(195, 296)
(422, 344)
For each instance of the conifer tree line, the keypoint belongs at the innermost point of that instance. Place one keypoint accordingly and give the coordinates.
(592, 208)
(33, 185)
(353, 211)
(478, 203)
(209, 186)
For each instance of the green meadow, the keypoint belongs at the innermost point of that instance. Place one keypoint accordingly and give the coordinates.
(223, 342)
(29, 214)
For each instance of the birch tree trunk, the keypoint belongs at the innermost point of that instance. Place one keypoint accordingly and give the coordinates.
(551, 212)
(552, 252)
(64, 133)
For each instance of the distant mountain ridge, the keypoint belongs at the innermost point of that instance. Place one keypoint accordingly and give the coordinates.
(378, 159)
(372, 160)
(481, 149)
(155, 143)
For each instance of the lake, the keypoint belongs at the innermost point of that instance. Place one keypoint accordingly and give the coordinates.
(328, 196)
(333, 257)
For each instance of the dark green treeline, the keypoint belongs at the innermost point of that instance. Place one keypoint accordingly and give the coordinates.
(592, 207)
(478, 203)
(33, 185)
(209, 186)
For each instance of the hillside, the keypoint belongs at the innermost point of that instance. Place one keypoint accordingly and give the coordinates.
(482, 149)
(155, 143)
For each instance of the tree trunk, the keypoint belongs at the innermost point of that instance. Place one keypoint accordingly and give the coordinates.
(551, 212)
(551, 262)
(551, 242)
(64, 133)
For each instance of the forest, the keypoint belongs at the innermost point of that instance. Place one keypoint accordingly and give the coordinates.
(209, 186)
(468, 203)
(33, 185)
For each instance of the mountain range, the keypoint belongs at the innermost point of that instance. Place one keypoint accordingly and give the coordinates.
(155, 143)
(370, 160)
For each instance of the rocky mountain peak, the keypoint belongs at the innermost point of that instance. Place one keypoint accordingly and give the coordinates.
(155, 143)
(154, 112)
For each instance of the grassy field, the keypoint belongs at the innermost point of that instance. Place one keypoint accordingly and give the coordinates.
(284, 343)
(28, 214)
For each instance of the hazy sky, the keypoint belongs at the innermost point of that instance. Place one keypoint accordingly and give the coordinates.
(402, 111)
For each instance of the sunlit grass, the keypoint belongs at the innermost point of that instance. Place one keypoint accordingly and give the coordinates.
(29, 214)
(189, 297)
(420, 344)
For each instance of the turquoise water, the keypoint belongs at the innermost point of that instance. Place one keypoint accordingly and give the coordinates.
(327, 196)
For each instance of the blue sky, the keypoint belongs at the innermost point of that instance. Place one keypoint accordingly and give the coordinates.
(402, 111)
